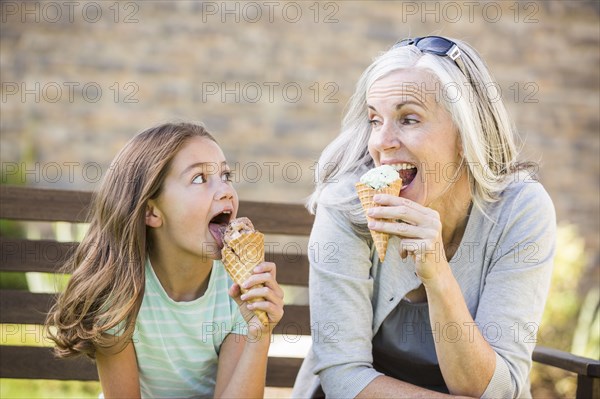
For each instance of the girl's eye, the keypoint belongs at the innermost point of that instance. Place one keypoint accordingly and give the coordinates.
(227, 177)
(374, 122)
(199, 179)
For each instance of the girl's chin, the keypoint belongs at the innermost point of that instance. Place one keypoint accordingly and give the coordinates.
(208, 256)
(210, 250)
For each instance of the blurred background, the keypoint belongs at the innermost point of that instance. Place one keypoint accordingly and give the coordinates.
(270, 80)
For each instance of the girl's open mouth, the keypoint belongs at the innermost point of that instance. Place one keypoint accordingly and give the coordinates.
(217, 226)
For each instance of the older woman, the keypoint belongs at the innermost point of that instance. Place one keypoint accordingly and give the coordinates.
(454, 307)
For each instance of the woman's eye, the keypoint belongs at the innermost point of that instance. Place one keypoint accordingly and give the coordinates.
(409, 121)
(374, 122)
(199, 179)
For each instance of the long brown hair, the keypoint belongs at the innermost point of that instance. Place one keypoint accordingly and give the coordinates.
(104, 294)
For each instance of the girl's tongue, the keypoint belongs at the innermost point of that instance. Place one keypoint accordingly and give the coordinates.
(217, 230)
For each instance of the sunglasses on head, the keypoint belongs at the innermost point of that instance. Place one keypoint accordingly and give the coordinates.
(436, 45)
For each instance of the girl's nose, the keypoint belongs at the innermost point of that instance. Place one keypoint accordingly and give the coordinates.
(224, 191)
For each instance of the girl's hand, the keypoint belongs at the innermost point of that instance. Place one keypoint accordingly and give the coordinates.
(419, 228)
(271, 294)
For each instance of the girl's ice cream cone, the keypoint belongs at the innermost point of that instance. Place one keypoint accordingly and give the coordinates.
(243, 250)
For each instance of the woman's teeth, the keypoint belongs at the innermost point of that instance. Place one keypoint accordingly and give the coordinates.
(407, 172)
(402, 166)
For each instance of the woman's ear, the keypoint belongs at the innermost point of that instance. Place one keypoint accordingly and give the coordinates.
(153, 215)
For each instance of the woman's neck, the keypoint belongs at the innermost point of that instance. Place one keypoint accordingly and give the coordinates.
(183, 278)
(454, 215)
(453, 233)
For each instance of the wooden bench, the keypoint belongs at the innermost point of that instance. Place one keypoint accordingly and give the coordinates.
(23, 307)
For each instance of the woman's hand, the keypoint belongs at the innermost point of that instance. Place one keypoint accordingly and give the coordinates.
(419, 229)
(262, 284)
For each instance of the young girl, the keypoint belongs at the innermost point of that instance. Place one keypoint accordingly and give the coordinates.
(148, 297)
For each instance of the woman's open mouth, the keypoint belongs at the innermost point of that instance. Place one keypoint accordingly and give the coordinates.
(217, 226)
(407, 172)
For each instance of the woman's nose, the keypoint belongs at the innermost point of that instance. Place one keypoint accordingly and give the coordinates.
(386, 137)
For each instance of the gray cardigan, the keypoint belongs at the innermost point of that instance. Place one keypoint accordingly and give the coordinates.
(503, 269)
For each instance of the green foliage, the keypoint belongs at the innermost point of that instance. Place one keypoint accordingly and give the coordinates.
(34, 389)
(586, 339)
(566, 320)
(564, 300)
(13, 281)
(10, 228)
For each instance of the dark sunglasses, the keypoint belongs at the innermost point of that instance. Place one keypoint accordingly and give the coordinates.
(436, 45)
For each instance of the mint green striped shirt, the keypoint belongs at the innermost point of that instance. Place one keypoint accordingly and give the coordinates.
(177, 343)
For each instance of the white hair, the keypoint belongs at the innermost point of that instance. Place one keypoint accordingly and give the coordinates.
(486, 133)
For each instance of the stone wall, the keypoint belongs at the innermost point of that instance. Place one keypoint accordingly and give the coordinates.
(271, 80)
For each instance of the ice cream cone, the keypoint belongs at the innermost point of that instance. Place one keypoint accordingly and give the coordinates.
(240, 257)
(365, 194)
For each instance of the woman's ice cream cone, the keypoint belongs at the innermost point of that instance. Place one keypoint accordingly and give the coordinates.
(387, 181)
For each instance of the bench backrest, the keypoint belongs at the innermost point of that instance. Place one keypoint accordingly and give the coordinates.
(24, 307)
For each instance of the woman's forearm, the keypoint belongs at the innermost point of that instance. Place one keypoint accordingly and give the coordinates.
(466, 359)
(388, 387)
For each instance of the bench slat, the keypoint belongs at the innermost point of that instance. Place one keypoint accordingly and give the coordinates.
(27, 203)
(291, 270)
(276, 218)
(37, 204)
(48, 256)
(33, 255)
(295, 322)
(22, 307)
(39, 363)
(282, 371)
(566, 361)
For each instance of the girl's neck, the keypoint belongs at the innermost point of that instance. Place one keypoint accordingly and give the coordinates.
(183, 278)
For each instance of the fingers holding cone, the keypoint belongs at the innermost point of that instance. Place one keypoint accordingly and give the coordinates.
(243, 251)
(240, 257)
(366, 194)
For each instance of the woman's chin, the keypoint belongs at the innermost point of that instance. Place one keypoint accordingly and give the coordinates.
(409, 191)
(414, 193)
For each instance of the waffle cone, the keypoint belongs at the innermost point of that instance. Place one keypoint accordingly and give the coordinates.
(365, 194)
(240, 257)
